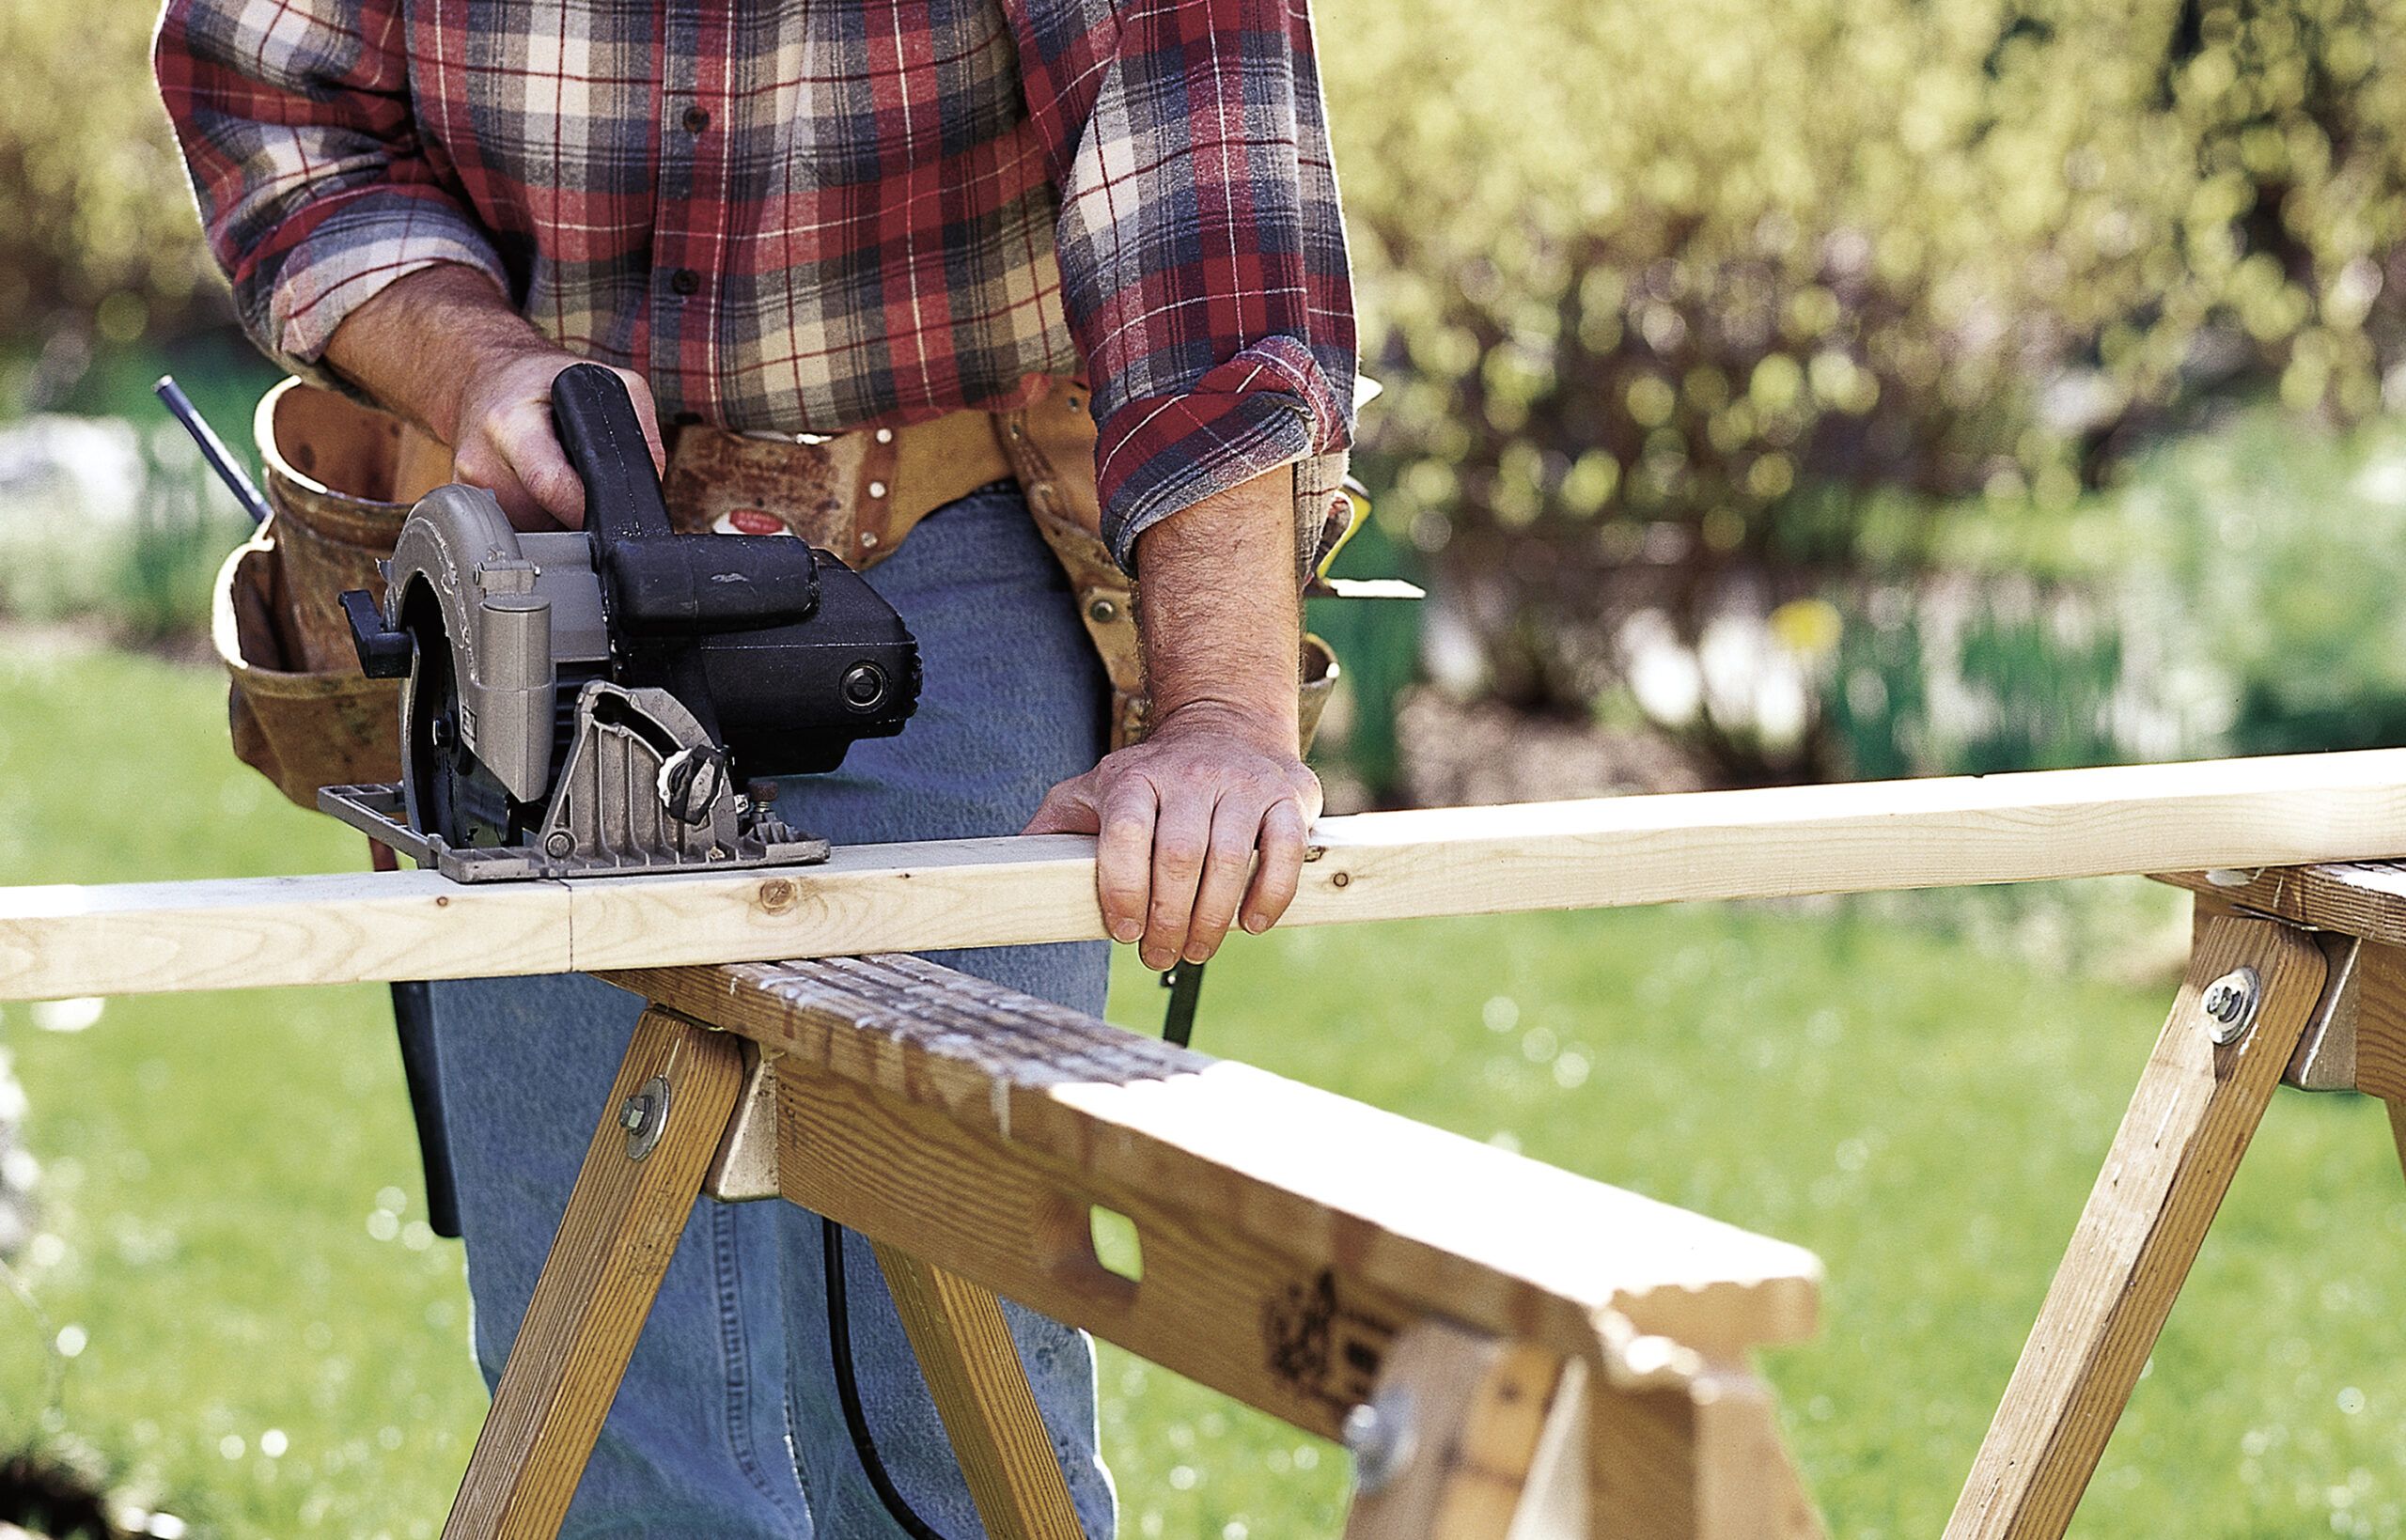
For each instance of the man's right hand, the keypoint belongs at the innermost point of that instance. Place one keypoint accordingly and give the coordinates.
(443, 347)
(505, 441)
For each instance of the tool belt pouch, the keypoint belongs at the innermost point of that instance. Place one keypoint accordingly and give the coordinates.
(1051, 445)
(341, 477)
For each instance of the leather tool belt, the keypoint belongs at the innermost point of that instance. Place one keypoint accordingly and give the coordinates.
(342, 478)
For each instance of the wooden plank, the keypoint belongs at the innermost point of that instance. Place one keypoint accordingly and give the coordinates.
(1555, 1503)
(1302, 1341)
(621, 1226)
(1609, 851)
(949, 1112)
(2365, 898)
(143, 938)
(2380, 1046)
(1474, 1409)
(2196, 1109)
(980, 1391)
(1699, 1461)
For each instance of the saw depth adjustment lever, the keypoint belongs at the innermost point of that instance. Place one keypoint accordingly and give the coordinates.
(600, 700)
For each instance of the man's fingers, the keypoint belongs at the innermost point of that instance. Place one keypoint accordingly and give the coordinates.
(648, 413)
(1067, 809)
(544, 466)
(1236, 824)
(1281, 869)
(1182, 840)
(1123, 856)
(477, 464)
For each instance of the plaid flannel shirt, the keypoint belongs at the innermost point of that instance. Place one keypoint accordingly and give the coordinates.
(816, 216)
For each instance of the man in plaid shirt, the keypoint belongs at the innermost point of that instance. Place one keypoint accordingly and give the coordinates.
(822, 217)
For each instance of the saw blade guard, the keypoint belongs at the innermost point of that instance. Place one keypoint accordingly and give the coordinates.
(510, 615)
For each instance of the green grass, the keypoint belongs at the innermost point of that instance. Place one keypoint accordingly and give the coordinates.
(232, 1185)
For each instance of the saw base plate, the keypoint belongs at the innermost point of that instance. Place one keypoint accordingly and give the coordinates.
(378, 811)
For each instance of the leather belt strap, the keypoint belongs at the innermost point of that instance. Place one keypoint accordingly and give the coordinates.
(856, 494)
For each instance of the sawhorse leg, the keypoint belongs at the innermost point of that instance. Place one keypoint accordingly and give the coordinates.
(662, 1125)
(980, 1389)
(2196, 1107)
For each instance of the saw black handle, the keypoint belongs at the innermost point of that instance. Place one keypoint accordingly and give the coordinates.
(595, 418)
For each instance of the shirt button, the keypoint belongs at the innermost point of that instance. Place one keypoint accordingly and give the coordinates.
(685, 280)
(696, 120)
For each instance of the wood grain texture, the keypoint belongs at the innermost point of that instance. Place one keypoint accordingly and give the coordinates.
(980, 1389)
(1555, 1503)
(2365, 898)
(2380, 1048)
(622, 1224)
(1301, 1342)
(2243, 813)
(1702, 1461)
(1076, 1112)
(2192, 1115)
(146, 937)
(1476, 1407)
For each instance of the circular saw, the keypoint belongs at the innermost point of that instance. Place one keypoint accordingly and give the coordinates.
(582, 703)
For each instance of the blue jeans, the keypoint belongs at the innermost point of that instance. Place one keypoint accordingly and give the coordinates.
(727, 1424)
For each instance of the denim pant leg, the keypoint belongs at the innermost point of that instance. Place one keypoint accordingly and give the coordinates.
(1013, 703)
(700, 1441)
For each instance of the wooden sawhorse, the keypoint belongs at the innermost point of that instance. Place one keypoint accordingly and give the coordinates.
(1513, 1352)
(2296, 975)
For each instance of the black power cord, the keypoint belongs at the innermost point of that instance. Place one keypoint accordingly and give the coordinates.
(1185, 985)
(848, 1389)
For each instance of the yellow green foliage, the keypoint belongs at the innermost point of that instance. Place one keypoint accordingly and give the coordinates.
(99, 224)
(1647, 260)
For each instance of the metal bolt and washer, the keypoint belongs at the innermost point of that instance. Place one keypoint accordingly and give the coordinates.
(644, 1115)
(2230, 1004)
(1379, 1435)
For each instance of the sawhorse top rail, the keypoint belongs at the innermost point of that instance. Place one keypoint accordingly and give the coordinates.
(148, 938)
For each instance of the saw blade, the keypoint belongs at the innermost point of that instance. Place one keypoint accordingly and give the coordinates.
(448, 792)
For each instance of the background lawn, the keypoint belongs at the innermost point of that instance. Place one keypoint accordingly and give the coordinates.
(256, 1323)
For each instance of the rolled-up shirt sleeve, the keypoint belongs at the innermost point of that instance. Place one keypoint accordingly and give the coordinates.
(295, 122)
(1202, 254)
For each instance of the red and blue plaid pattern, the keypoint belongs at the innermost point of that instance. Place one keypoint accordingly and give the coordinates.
(816, 214)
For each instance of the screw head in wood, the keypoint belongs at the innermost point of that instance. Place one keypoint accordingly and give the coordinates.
(644, 1115)
(1378, 1433)
(2230, 1004)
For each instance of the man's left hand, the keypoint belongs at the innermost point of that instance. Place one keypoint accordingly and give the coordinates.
(1180, 819)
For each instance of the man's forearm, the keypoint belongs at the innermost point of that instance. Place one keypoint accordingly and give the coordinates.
(1219, 616)
(1203, 823)
(443, 348)
(417, 344)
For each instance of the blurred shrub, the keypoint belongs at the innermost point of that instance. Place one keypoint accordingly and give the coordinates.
(1666, 284)
(2238, 591)
(100, 238)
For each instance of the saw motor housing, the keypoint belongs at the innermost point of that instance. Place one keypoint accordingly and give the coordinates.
(585, 703)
